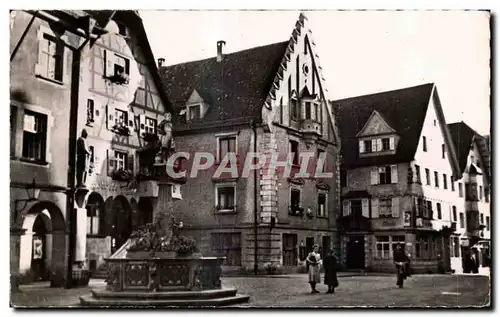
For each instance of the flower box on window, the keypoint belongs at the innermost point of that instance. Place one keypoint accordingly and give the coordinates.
(309, 213)
(121, 129)
(118, 78)
(295, 211)
(225, 209)
(122, 175)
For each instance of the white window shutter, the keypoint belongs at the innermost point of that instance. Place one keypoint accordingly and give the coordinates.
(345, 208)
(109, 63)
(131, 120)
(374, 208)
(110, 161)
(374, 145)
(379, 145)
(361, 147)
(110, 116)
(142, 123)
(97, 162)
(374, 176)
(395, 207)
(366, 208)
(394, 174)
(391, 143)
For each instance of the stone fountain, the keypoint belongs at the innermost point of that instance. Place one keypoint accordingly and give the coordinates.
(158, 267)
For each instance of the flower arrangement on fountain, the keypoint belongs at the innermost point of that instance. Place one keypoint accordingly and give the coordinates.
(154, 239)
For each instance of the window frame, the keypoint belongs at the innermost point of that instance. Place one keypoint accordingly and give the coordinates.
(290, 196)
(151, 123)
(323, 214)
(296, 156)
(17, 132)
(427, 176)
(436, 179)
(117, 159)
(385, 208)
(388, 175)
(226, 137)
(190, 110)
(39, 137)
(381, 241)
(225, 186)
(424, 143)
(41, 68)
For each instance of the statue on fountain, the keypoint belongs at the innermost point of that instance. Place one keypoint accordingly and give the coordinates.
(161, 238)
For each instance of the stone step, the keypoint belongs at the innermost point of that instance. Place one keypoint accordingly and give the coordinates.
(90, 301)
(173, 295)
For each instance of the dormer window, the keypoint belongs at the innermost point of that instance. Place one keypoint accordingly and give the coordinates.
(376, 145)
(194, 112)
(386, 144)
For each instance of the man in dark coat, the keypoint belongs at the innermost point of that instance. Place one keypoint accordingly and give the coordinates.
(401, 257)
(330, 267)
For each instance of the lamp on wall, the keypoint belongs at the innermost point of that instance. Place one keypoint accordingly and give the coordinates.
(32, 192)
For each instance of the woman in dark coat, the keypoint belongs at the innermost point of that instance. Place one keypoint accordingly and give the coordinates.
(330, 267)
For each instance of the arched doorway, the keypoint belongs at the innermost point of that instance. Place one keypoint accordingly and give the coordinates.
(43, 246)
(41, 242)
(122, 222)
(146, 210)
(95, 214)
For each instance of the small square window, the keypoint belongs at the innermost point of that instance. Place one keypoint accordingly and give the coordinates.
(226, 198)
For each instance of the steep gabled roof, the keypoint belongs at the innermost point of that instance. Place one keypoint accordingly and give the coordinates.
(133, 21)
(403, 109)
(463, 137)
(235, 88)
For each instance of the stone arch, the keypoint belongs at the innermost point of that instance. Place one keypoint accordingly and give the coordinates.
(96, 213)
(53, 219)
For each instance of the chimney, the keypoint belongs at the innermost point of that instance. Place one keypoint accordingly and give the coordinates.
(219, 50)
(161, 61)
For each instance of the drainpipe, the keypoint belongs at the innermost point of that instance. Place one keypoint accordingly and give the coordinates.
(256, 244)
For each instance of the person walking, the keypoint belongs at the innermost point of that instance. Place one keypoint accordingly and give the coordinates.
(330, 267)
(314, 261)
(401, 261)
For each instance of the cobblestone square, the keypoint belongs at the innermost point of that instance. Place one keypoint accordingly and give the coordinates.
(293, 291)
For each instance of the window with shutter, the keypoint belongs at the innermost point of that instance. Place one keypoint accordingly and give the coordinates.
(111, 161)
(394, 174)
(346, 208)
(361, 146)
(374, 145)
(395, 207)
(379, 145)
(391, 144)
(374, 176)
(375, 208)
(365, 208)
(130, 162)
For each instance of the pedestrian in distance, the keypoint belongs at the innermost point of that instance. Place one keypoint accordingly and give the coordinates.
(314, 261)
(330, 267)
(401, 261)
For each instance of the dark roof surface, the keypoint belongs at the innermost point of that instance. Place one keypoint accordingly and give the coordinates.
(404, 110)
(462, 136)
(235, 89)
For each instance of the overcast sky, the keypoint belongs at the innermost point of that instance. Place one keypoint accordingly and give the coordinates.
(361, 52)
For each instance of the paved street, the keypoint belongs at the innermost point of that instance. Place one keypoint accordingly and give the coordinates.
(293, 291)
